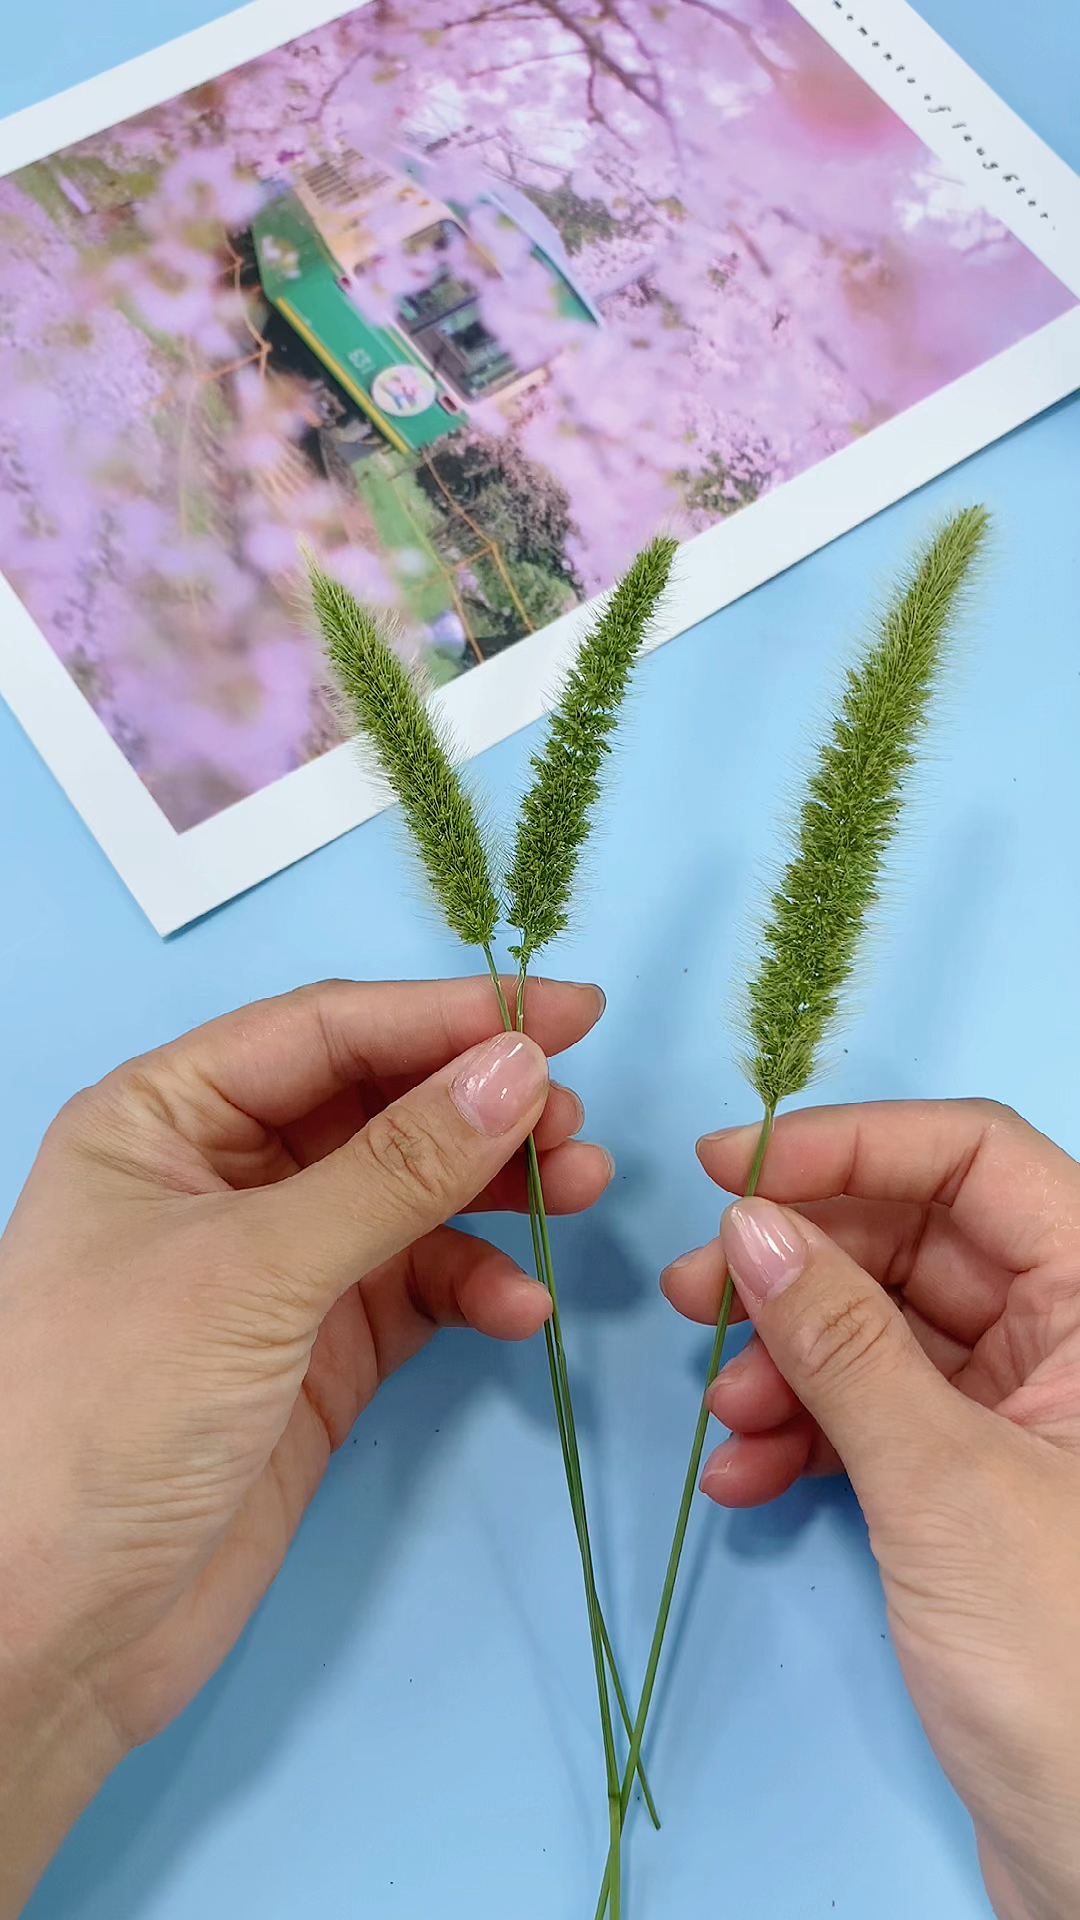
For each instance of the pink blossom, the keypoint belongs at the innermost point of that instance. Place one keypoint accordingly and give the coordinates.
(777, 263)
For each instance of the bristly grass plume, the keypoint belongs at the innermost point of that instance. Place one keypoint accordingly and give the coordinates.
(390, 713)
(852, 807)
(819, 911)
(556, 813)
(389, 709)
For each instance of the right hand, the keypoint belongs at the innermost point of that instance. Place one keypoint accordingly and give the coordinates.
(916, 1306)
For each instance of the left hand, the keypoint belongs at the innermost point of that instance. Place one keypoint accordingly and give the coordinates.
(220, 1253)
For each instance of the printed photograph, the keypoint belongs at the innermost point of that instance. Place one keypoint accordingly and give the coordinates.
(474, 296)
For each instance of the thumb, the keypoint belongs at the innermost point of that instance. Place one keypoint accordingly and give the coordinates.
(842, 1346)
(414, 1165)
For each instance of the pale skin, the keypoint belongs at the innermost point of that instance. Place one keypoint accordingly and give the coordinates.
(916, 1304)
(220, 1253)
(226, 1246)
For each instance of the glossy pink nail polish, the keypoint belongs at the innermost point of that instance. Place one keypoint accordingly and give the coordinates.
(498, 1084)
(765, 1251)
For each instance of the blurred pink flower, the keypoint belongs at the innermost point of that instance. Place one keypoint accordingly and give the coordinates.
(777, 262)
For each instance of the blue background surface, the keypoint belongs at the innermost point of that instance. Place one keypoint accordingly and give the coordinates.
(407, 1728)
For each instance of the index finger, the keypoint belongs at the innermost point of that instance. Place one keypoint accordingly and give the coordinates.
(278, 1059)
(1010, 1189)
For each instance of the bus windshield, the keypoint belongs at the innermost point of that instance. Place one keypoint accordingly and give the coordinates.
(443, 315)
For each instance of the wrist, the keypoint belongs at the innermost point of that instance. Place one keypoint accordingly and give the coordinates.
(57, 1748)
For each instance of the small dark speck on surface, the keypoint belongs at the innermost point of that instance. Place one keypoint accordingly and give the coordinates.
(813, 1589)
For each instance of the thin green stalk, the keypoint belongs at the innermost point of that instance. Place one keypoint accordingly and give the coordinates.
(628, 1723)
(577, 1497)
(572, 1459)
(681, 1524)
(564, 1413)
(614, 1866)
(498, 986)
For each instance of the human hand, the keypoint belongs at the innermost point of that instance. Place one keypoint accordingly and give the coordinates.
(916, 1305)
(219, 1254)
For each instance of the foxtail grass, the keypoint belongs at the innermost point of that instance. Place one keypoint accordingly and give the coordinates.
(557, 811)
(388, 707)
(819, 910)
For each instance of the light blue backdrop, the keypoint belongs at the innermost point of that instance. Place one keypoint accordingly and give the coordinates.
(407, 1728)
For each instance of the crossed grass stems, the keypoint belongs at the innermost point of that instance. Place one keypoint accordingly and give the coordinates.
(602, 1650)
(450, 836)
(811, 938)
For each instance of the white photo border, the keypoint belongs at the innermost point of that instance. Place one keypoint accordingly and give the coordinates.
(177, 877)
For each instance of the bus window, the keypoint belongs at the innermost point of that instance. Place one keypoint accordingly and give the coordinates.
(450, 251)
(469, 356)
(434, 302)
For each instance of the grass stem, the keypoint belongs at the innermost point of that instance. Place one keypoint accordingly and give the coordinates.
(603, 1650)
(612, 1873)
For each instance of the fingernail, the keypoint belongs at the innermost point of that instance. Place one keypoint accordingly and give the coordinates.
(717, 1467)
(595, 1147)
(529, 1293)
(730, 1133)
(590, 986)
(675, 1267)
(765, 1252)
(578, 1104)
(727, 1376)
(499, 1083)
(736, 1365)
(576, 986)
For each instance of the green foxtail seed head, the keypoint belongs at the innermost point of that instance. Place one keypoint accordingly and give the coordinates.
(556, 811)
(850, 812)
(390, 712)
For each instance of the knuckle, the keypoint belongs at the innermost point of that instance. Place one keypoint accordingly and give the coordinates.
(1000, 1129)
(994, 1113)
(846, 1337)
(326, 998)
(76, 1116)
(96, 1120)
(110, 1125)
(141, 1087)
(408, 1158)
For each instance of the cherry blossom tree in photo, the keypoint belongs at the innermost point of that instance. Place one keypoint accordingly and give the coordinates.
(777, 262)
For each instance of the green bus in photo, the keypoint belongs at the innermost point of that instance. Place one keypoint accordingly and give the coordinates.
(407, 380)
